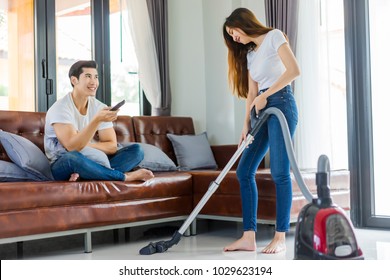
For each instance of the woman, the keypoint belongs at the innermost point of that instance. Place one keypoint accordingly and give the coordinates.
(261, 69)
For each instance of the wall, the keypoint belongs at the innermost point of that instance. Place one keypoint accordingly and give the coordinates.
(198, 66)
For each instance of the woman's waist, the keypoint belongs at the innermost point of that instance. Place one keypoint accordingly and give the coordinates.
(286, 90)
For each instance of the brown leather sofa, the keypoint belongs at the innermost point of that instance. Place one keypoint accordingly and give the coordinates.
(34, 210)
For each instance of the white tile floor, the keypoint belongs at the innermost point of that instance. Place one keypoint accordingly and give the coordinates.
(206, 245)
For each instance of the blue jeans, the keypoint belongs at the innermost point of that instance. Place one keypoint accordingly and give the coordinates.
(269, 136)
(122, 161)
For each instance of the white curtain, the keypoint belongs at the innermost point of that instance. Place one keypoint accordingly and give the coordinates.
(320, 90)
(145, 50)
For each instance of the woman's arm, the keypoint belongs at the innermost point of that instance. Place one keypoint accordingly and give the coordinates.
(291, 73)
(253, 89)
(252, 93)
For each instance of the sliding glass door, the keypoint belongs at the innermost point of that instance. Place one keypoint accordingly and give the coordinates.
(380, 60)
(17, 59)
(73, 38)
(41, 39)
(367, 62)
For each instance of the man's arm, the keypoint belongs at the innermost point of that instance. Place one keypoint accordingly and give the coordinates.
(107, 141)
(74, 140)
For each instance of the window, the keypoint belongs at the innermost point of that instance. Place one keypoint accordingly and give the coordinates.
(34, 66)
(17, 87)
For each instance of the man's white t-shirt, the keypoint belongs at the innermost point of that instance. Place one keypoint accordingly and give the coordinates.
(65, 111)
(264, 64)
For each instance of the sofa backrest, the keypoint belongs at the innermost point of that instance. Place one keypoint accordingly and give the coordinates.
(145, 129)
(153, 130)
(30, 125)
(124, 129)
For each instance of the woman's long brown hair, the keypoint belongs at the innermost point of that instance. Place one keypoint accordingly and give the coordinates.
(238, 70)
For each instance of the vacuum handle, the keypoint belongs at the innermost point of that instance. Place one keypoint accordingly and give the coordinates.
(259, 123)
(323, 181)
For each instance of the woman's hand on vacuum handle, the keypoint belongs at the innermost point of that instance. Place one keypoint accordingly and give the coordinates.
(259, 102)
(244, 133)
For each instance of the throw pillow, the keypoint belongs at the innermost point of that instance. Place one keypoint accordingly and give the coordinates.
(155, 159)
(10, 172)
(26, 155)
(96, 155)
(193, 151)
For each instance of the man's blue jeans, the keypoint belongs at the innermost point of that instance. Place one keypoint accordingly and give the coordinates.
(269, 136)
(123, 161)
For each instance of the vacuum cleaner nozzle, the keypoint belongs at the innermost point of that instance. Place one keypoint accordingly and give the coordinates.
(160, 246)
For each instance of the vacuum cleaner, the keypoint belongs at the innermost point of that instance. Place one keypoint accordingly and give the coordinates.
(338, 239)
(323, 231)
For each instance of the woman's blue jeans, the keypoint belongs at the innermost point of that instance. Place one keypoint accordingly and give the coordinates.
(269, 136)
(122, 161)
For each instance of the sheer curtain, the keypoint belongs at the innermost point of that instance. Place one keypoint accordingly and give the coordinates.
(320, 90)
(144, 45)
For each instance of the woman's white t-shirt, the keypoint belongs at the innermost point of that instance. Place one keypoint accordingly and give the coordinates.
(65, 111)
(264, 64)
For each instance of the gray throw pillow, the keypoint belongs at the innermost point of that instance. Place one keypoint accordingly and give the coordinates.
(154, 158)
(96, 156)
(10, 172)
(26, 155)
(193, 151)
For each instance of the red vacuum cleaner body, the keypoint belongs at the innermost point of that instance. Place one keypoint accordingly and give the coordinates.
(323, 231)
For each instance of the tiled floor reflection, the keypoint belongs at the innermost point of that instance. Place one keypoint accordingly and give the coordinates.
(207, 244)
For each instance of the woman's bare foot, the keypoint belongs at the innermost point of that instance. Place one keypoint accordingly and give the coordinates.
(246, 243)
(277, 245)
(139, 175)
(74, 177)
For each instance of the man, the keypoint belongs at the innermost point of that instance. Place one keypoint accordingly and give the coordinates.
(71, 124)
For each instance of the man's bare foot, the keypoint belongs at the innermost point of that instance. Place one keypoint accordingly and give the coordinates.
(246, 243)
(139, 175)
(74, 177)
(277, 245)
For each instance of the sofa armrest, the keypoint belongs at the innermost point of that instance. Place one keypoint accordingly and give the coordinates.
(223, 153)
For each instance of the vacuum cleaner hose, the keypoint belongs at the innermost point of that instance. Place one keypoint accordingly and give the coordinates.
(289, 147)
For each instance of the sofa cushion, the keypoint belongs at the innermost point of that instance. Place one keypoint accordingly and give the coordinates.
(193, 151)
(154, 158)
(43, 207)
(26, 155)
(10, 172)
(154, 129)
(38, 195)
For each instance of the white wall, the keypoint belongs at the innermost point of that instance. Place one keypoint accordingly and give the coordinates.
(198, 66)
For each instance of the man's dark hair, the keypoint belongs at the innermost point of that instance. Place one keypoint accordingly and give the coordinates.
(77, 68)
